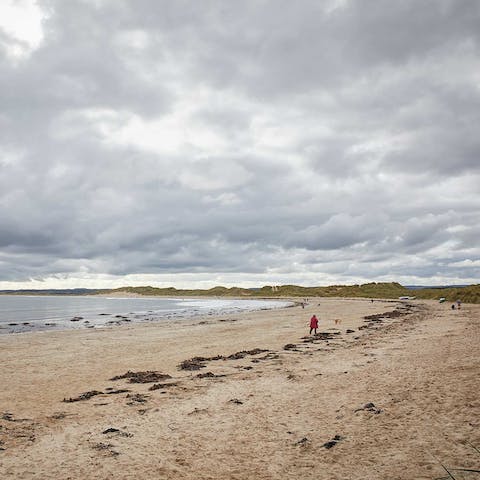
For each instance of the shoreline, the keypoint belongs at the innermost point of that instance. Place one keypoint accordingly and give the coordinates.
(246, 413)
(75, 315)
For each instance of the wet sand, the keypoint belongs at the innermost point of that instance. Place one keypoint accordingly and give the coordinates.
(249, 396)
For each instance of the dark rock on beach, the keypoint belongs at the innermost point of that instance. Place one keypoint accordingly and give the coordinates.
(369, 407)
(117, 431)
(302, 442)
(331, 443)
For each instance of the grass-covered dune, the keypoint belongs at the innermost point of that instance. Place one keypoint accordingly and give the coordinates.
(469, 294)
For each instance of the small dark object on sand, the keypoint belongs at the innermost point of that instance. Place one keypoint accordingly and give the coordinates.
(76, 319)
(195, 363)
(302, 442)
(349, 330)
(236, 401)
(320, 336)
(210, 375)
(159, 386)
(13, 324)
(329, 445)
(332, 442)
(289, 346)
(369, 407)
(392, 314)
(111, 430)
(148, 376)
(244, 353)
(136, 398)
(237, 355)
(116, 430)
(83, 396)
(107, 447)
(114, 392)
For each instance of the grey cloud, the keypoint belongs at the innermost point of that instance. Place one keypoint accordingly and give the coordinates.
(347, 141)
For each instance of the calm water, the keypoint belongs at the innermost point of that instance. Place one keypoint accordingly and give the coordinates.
(27, 313)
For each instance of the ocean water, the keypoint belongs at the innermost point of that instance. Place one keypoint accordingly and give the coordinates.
(20, 313)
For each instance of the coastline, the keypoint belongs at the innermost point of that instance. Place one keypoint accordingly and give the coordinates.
(262, 415)
(23, 314)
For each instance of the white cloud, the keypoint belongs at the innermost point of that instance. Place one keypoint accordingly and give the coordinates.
(21, 21)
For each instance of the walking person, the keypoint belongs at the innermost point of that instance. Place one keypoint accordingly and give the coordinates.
(313, 324)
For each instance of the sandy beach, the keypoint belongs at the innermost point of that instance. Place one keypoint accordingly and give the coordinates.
(392, 396)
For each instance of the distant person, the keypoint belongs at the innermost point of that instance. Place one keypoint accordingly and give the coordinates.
(313, 324)
(453, 306)
(459, 304)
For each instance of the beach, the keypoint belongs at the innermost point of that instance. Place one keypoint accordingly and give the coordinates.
(392, 396)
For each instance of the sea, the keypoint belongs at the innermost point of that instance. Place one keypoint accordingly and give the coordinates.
(22, 313)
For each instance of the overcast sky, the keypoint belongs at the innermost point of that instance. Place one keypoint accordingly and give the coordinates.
(197, 143)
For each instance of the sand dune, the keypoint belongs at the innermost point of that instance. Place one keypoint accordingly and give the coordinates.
(397, 398)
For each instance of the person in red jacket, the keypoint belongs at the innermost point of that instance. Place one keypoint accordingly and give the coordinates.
(313, 324)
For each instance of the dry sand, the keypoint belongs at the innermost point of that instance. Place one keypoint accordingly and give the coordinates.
(264, 416)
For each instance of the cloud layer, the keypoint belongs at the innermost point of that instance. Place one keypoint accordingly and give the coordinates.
(196, 143)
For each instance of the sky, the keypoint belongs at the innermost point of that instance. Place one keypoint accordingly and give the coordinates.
(198, 143)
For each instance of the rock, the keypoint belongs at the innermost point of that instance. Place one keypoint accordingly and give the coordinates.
(117, 431)
(332, 442)
(369, 407)
(110, 430)
(302, 442)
